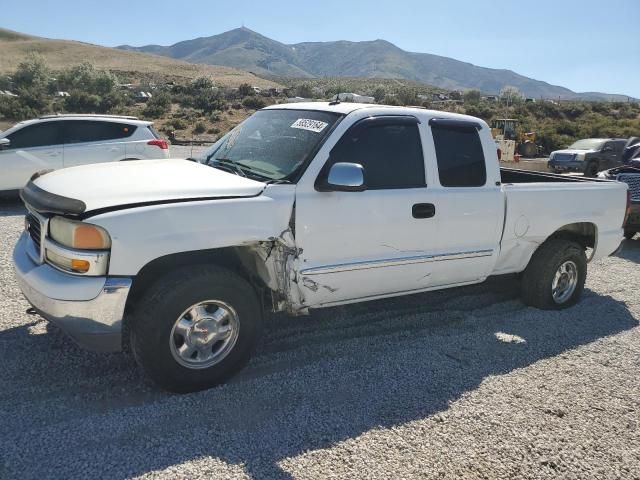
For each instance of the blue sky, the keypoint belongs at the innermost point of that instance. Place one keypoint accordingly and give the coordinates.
(584, 45)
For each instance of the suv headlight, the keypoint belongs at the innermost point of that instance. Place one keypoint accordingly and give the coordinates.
(77, 247)
(83, 236)
(580, 157)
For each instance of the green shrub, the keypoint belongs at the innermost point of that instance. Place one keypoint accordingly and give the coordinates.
(82, 102)
(208, 101)
(199, 128)
(178, 124)
(255, 103)
(158, 105)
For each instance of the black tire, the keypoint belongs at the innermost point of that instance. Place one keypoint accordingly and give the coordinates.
(629, 234)
(591, 169)
(538, 277)
(166, 301)
(528, 149)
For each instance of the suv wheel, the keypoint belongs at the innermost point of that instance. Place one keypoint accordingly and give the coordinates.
(592, 169)
(195, 328)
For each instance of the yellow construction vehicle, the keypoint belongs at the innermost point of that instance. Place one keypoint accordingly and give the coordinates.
(512, 141)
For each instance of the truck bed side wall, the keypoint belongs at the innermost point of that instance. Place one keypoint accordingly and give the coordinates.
(536, 210)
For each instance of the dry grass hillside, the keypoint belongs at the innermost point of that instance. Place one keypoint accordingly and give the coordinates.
(59, 54)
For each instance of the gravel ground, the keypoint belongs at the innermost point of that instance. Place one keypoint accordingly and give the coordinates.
(464, 383)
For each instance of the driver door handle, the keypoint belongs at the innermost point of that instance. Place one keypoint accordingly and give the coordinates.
(423, 210)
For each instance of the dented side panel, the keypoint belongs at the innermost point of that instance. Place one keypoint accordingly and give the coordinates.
(140, 235)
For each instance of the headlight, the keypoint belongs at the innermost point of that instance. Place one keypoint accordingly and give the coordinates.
(80, 235)
(580, 157)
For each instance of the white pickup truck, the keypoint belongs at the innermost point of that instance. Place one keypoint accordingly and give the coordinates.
(300, 207)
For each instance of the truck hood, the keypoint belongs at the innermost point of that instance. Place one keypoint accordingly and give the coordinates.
(80, 190)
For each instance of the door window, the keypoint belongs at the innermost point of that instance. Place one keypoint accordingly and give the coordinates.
(38, 135)
(460, 157)
(81, 131)
(391, 155)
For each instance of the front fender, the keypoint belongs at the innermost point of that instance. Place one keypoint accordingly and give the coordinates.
(140, 235)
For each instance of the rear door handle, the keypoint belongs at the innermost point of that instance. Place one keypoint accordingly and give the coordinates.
(423, 210)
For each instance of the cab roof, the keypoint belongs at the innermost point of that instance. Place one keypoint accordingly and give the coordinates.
(345, 108)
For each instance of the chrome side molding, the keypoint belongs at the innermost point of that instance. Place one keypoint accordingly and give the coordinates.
(393, 262)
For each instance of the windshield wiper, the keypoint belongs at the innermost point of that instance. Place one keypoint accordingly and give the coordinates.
(229, 165)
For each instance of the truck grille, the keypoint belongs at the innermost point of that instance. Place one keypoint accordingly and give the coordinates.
(564, 157)
(633, 180)
(34, 227)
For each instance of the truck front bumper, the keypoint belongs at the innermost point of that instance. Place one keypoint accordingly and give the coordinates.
(570, 166)
(88, 309)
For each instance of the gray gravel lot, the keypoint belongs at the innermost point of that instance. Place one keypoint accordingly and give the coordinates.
(464, 383)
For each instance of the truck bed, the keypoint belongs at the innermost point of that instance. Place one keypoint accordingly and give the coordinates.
(512, 175)
(538, 204)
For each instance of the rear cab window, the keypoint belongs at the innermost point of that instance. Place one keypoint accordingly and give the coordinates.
(82, 131)
(459, 153)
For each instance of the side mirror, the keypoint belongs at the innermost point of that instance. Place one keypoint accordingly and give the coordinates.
(345, 177)
(607, 149)
(4, 143)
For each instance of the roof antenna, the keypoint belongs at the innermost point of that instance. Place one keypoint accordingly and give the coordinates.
(336, 101)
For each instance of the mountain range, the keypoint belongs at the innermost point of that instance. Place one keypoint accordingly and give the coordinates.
(15, 47)
(248, 50)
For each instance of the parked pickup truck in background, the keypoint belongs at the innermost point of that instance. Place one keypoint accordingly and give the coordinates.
(631, 176)
(588, 156)
(302, 206)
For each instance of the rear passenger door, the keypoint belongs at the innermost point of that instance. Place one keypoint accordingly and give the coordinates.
(468, 199)
(93, 141)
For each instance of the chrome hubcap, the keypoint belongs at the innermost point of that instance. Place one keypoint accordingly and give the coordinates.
(564, 282)
(204, 334)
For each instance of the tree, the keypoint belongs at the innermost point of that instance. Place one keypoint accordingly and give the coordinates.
(379, 94)
(86, 78)
(255, 103)
(202, 83)
(305, 90)
(208, 101)
(158, 105)
(244, 90)
(82, 102)
(472, 96)
(31, 73)
(511, 95)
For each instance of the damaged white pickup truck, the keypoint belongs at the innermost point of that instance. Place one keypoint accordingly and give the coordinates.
(301, 206)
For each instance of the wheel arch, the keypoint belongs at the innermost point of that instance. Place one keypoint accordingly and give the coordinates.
(583, 233)
(242, 260)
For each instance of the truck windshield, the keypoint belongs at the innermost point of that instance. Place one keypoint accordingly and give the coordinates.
(587, 144)
(271, 144)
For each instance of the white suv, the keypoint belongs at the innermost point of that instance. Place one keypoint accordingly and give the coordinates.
(58, 141)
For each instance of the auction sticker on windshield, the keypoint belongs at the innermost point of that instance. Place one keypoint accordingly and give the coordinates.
(308, 124)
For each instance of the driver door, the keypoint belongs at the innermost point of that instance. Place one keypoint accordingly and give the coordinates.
(363, 244)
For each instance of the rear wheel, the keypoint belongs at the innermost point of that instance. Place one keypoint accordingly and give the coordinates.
(591, 170)
(195, 328)
(555, 276)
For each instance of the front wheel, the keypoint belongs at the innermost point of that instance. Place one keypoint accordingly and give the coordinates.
(196, 327)
(591, 170)
(555, 276)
